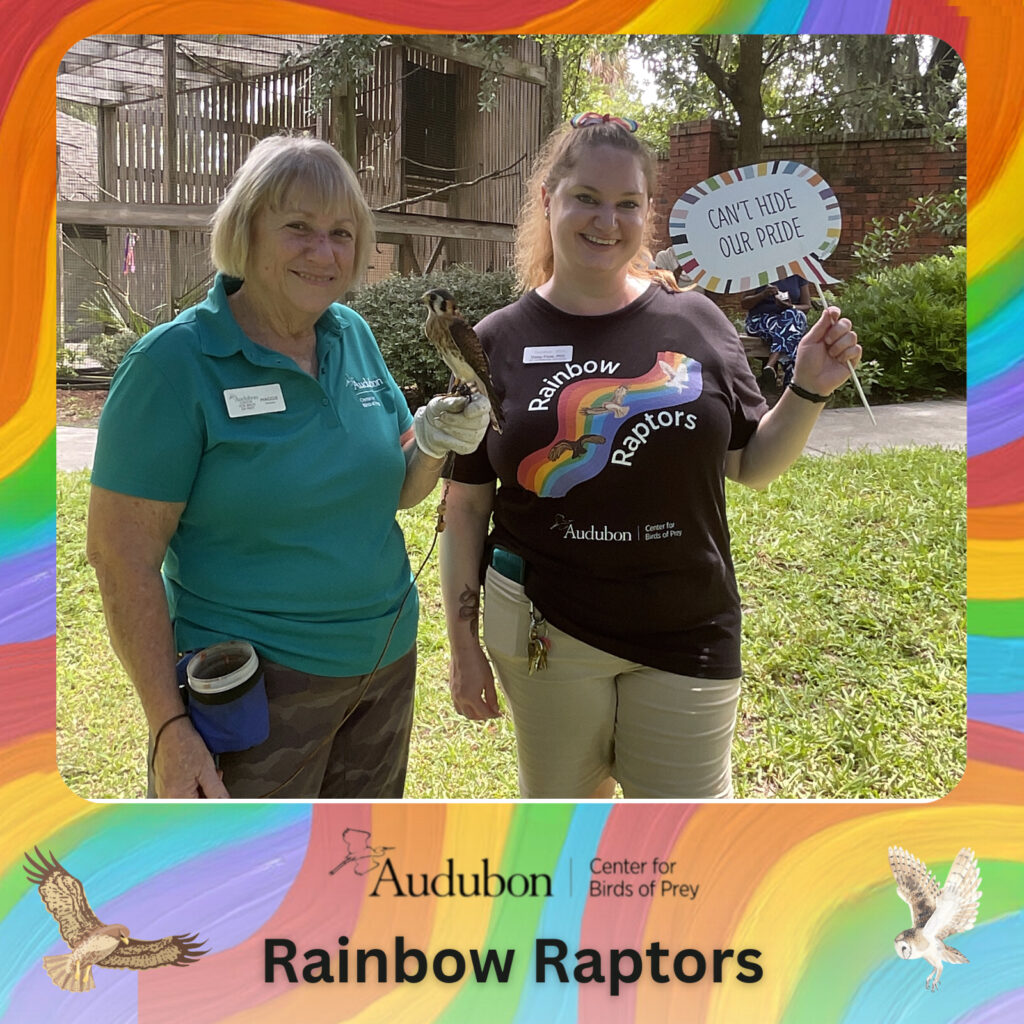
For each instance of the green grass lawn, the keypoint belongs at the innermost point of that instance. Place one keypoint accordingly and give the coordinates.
(852, 571)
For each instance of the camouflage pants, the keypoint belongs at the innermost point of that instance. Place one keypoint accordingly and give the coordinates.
(314, 751)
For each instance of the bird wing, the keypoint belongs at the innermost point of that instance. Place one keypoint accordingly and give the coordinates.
(951, 955)
(63, 896)
(593, 439)
(915, 884)
(956, 909)
(357, 841)
(470, 348)
(474, 357)
(141, 954)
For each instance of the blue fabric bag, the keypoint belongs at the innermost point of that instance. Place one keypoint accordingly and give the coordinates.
(226, 696)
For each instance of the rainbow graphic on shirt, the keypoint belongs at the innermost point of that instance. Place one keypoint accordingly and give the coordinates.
(593, 412)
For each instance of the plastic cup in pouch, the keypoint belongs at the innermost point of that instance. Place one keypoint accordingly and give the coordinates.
(227, 698)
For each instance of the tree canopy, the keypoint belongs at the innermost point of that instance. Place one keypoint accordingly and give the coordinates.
(765, 85)
(773, 85)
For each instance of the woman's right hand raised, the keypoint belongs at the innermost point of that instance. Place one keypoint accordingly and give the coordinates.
(471, 681)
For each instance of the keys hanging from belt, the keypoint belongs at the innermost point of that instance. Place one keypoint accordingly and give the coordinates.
(539, 644)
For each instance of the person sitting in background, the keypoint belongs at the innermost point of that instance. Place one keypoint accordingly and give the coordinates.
(778, 313)
(666, 260)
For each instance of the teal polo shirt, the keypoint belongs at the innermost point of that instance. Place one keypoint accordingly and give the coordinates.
(288, 538)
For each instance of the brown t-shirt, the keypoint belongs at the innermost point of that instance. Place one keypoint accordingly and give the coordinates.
(611, 469)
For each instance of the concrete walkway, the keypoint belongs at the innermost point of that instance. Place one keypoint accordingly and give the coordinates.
(838, 430)
(908, 425)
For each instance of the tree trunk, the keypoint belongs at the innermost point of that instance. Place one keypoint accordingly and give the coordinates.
(745, 87)
(551, 98)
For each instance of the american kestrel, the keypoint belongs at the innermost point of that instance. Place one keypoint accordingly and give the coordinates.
(460, 348)
(935, 914)
(91, 941)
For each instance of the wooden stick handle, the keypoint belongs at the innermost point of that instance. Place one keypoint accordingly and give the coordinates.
(849, 363)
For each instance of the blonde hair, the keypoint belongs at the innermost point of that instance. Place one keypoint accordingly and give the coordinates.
(273, 167)
(563, 149)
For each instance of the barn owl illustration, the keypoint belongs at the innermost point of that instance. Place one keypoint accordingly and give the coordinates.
(457, 344)
(678, 376)
(92, 942)
(935, 913)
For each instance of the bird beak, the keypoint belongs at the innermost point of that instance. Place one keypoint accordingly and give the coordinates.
(425, 298)
(124, 939)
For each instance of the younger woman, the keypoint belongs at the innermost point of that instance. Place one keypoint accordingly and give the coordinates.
(611, 612)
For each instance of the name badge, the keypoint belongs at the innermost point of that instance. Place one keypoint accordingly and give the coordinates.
(254, 401)
(547, 353)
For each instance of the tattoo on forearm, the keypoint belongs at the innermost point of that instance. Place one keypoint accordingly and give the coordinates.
(469, 606)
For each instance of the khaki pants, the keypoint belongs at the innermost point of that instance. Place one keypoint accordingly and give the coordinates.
(589, 715)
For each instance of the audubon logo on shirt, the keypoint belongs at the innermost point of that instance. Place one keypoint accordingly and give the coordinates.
(570, 531)
(364, 389)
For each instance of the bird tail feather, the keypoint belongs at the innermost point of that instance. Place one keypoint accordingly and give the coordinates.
(61, 970)
(954, 956)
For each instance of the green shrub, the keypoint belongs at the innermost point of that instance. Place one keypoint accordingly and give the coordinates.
(943, 214)
(911, 320)
(122, 327)
(109, 349)
(395, 314)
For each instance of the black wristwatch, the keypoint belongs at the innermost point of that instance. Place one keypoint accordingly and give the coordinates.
(810, 396)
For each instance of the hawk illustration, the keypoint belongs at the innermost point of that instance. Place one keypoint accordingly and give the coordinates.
(360, 852)
(91, 941)
(457, 344)
(935, 914)
(577, 448)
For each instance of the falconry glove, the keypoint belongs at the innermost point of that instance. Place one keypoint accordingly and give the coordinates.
(451, 423)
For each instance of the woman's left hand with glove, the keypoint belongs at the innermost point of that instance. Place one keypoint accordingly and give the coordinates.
(451, 423)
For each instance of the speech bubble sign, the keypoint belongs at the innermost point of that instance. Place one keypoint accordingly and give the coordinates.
(754, 225)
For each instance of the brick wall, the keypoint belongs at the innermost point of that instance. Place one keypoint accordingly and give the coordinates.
(872, 176)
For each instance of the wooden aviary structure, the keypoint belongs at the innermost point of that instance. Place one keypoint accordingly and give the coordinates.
(176, 116)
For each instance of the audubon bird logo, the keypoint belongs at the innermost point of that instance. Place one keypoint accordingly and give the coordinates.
(935, 913)
(457, 344)
(93, 943)
(361, 854)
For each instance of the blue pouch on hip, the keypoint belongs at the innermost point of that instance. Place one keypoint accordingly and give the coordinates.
(226, 696)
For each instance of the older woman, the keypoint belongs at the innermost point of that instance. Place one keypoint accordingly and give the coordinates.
(251, 457)
(611, 612)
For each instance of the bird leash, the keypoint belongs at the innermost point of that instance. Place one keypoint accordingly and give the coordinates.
(439, 526)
